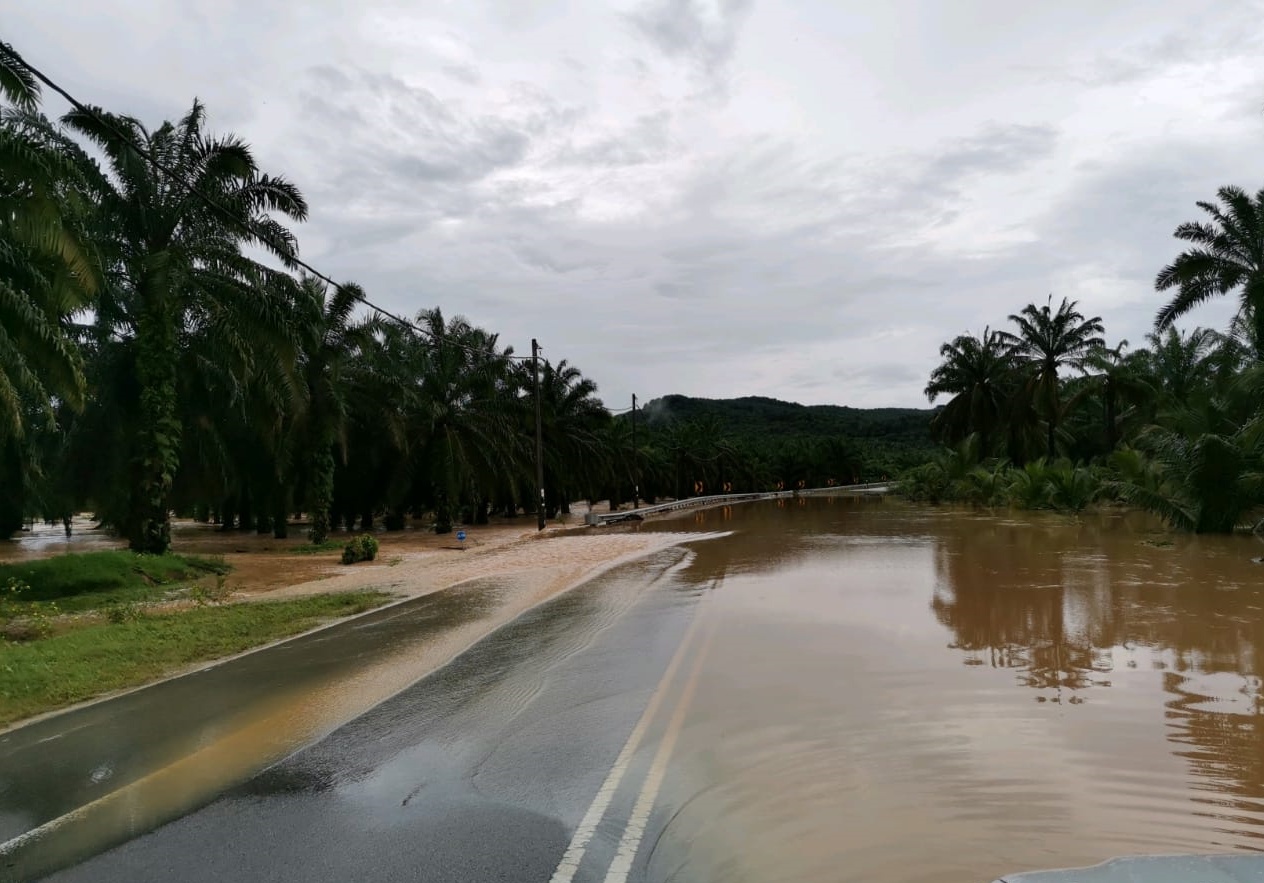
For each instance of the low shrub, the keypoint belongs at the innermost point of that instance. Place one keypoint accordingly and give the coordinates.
(361, 548)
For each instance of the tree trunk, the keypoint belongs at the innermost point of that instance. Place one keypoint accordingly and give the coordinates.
(443, 515)
(158, 432)
(1112, 431)
(280, 522)
(12, 479)
(320, 488)
(228, 513)
(246, 517)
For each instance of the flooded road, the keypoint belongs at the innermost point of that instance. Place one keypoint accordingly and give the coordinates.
(828, 690)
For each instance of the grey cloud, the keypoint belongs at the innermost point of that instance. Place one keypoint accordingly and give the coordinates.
(647, 139)
(888, 373)
(561, 258)
(418, 134)
(405, 151)
(997, 148)
(684, 29)
(463, 73)
(1233, 30)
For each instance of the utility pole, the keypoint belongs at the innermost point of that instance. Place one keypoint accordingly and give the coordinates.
(636, 484)
(539, 433)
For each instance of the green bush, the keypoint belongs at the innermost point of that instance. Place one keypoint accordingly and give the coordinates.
(120, 613)
(361, 548)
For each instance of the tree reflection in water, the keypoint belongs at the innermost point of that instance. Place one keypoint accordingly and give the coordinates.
(1066, 604)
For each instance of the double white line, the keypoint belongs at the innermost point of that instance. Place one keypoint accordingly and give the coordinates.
(634, 830)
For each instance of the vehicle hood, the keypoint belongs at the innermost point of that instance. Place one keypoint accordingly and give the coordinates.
(1156, 869)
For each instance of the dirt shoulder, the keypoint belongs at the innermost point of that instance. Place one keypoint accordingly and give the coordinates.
(416, 565)
(410, 562)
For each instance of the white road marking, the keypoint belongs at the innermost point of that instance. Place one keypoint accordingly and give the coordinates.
(569, 864)
(635, 830)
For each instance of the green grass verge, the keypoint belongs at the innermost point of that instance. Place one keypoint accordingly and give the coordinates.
(88, 580)
(46, 674)
(318, 548)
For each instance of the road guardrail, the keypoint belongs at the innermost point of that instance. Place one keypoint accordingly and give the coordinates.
(595, 519)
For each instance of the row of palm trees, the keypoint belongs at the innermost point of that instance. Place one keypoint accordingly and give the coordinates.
(681, 458)
(158, 354)
(1176, 426)
(162, 350)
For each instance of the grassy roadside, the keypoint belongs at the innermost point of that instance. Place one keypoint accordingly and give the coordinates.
(92, 580)
(87, 661)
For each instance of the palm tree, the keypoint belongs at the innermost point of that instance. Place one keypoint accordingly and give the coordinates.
(47, 273)
(620, 459)
(465, 418)
(1117, 379)
(331, 339)
(572, 417)
(1048, 341)
(1205, 482)
(1179, 365)
(1228, 256)
(977, 372)
(383, 427)
(176, 206)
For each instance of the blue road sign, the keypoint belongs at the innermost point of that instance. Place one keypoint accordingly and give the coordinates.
(460, 535)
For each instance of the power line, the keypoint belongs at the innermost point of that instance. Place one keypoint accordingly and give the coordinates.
(249, 226)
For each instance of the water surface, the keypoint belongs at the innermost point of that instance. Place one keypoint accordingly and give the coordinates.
(900, 693)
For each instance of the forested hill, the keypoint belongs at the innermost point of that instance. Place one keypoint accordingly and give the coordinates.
(756, 416)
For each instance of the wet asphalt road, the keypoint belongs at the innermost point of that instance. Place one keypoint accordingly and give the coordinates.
(481, 771)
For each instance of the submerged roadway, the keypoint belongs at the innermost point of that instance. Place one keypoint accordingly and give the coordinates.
(536, 755)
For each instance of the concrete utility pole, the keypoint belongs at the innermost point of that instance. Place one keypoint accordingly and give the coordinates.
(636, 477)
(539, 433)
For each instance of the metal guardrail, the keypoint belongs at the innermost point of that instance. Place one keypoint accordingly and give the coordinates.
(600, 518)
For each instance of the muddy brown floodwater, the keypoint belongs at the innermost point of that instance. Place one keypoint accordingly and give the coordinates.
(907, 694)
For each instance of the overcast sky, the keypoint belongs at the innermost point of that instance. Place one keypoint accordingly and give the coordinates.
(794, 198)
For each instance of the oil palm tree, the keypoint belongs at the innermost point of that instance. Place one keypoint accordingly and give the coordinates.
(1227, 256)
(176, 206)
(1047, 341)
(978, 373)
(47, 271)
(383, 426)
(1179, 365)
(572, 418)
(467, 424)
(1118, 378)
(1207, 482)
(331, 339)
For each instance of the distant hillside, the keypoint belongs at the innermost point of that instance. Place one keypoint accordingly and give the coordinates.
(759, 417)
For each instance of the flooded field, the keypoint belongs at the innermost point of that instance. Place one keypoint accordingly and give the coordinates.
(895, 693)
